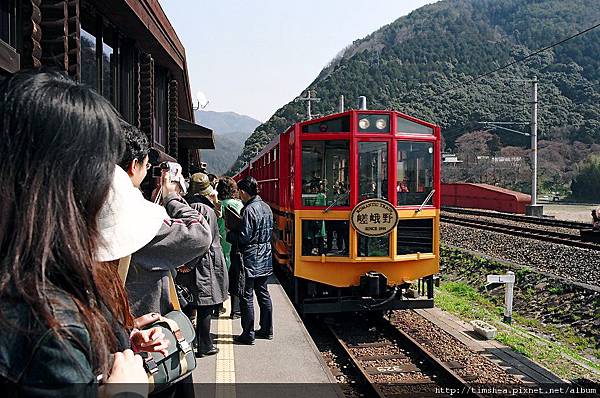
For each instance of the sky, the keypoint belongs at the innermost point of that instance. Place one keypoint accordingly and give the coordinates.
(253, 57)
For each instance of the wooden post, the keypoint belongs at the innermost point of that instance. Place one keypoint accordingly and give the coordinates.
(55, 47)
(173, 122)
(32, 34)
(146, 96)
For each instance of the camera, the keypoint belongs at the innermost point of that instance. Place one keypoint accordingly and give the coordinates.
(171, 166)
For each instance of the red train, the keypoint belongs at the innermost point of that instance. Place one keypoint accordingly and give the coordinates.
(356, 199)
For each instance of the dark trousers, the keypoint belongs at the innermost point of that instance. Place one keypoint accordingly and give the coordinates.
(258, 286)
(203, 319)
(235, 304)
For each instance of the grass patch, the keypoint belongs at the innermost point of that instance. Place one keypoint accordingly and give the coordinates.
(466, 302)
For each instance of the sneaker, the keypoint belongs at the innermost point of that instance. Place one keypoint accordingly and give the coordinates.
(243, 340)
(263, 335)
(235, 315)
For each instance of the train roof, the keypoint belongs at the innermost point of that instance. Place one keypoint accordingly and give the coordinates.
(333, 116)
(366, 111)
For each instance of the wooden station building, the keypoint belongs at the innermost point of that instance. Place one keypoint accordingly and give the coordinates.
(125, 49)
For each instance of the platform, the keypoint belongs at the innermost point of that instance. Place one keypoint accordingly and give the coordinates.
(514, 363)
(290, 365)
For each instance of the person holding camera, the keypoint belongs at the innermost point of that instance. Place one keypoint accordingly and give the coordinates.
(183, 236)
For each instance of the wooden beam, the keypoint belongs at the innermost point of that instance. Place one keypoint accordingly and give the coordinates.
(9, 58)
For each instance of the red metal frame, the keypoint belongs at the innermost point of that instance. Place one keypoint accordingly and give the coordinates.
(284, 191)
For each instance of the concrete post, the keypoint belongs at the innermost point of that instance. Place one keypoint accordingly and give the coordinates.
(508, 299)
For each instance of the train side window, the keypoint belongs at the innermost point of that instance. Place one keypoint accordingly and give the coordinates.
(373, 170)
(414, 176)
(325, 173)
(328, 237)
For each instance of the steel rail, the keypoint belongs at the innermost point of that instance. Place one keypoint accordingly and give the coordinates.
(367, 380)
(525, 232)
(518, 217)
(411, 344)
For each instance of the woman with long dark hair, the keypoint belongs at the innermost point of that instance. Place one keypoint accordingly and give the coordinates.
(61, 312)
(229, 197)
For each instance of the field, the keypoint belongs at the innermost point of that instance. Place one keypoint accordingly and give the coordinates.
(570, 212)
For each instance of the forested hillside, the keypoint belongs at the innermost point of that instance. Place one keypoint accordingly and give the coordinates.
(230, 130)
(413, 64)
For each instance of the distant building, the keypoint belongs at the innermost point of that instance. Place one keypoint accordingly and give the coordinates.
(450, 159)
(127, 50)
(499, 159)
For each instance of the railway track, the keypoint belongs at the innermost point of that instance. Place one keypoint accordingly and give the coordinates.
(489, 223)
(550, 222)
(392, 364)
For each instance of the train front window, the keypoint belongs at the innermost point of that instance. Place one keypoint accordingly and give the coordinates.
(414, 172)
(404, 126)
(373, 171)
(337, 125)
(373, 246)
(328, 237)
(325, 173)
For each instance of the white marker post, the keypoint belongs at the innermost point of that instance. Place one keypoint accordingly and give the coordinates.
(508, 280)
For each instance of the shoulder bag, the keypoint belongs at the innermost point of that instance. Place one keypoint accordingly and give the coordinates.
(164, 371)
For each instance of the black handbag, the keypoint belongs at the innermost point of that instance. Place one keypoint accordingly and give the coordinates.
(183, 295)
(180, 361)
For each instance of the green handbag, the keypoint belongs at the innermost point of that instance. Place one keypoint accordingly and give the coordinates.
(164, 371)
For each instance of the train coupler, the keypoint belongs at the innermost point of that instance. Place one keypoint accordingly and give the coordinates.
(373, 284)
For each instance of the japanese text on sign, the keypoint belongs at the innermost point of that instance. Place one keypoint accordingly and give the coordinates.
(374, 217)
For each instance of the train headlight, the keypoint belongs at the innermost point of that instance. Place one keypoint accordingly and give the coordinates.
(364, 123)
(380, 124)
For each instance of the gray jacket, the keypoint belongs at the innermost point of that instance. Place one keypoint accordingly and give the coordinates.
(183, 237)
(208, 281)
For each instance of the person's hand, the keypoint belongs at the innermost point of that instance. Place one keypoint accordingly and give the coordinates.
(149, 340)
(168, 186)
(127, 375)
(214, 197)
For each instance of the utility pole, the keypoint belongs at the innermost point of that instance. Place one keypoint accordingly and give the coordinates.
(534, 209)
(308, 100)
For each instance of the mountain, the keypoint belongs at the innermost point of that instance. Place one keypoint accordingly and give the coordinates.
(414, 64)
(230, 131)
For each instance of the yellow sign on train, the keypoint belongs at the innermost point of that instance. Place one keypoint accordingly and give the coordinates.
(374, 217)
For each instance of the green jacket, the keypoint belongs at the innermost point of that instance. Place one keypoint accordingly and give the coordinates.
(236, 205)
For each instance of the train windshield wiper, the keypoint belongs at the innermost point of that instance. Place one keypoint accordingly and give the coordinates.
(340, 196)
(425, 201)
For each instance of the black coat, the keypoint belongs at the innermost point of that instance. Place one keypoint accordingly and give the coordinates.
(208, 282)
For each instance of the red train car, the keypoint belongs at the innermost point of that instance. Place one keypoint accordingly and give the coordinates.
(356, 199)
(484, 196)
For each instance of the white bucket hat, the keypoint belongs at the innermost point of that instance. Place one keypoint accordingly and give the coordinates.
(127, 221)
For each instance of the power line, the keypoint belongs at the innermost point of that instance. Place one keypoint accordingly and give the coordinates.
(472, 80)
